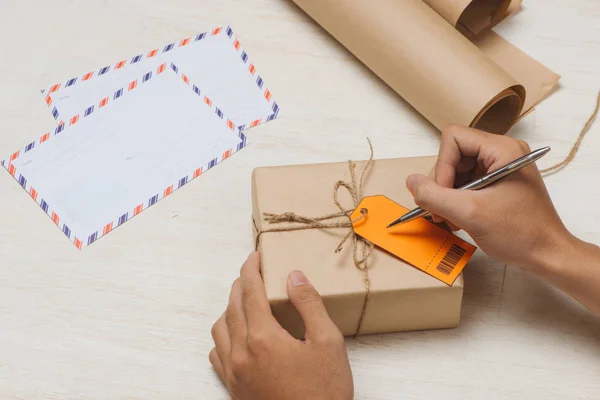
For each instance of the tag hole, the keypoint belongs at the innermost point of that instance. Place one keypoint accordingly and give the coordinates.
(364, 211)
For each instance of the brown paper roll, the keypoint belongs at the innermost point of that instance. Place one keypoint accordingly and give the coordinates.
(537, 80)
(471, 17)
(424, 59)
(474, 19)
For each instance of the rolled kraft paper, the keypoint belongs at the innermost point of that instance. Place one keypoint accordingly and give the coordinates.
(424, 59)
(471, 17)
(475, 18)
(537, 80)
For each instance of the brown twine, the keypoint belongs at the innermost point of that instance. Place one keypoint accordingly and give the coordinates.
(555, 168)
(324, 222)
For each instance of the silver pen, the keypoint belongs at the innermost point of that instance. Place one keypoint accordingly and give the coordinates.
(481, 182)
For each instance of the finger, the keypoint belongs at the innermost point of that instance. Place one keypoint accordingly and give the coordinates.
(451, 204)
(254, 296)
(309, 304)
(235, 318)
(457, 142)
(463, 171)
(465, 166)
(434, 217)
(217, 364)
(220, 336)
(492, 151)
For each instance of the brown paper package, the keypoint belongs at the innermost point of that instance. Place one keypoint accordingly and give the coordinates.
(417, 48)
(402, 297)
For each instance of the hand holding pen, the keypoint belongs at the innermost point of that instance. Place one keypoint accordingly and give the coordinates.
(482, 182)
(513, 220)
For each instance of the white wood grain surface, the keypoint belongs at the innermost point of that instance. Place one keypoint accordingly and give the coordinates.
(130, 316)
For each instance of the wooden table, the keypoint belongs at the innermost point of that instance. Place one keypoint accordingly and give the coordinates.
(130, 316)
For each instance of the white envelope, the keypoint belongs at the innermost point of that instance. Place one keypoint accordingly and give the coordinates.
(215, 61)
(126, 151)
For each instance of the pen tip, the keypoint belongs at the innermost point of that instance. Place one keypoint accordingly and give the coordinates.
(392, 224)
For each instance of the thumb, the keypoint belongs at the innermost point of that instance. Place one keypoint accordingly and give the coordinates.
(309, 304)
(450, 204)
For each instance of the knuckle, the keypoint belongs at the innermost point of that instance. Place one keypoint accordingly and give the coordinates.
(213, 357)
(258, 340)
(524, 146)
(213, 331)
(511, 146)
(236, 284)
(502, 141)
(451, 130)
(240, 364)
(219, 324)
(332, 337)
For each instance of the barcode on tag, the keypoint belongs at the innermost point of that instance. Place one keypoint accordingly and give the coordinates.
(452, 257)
(422, 244)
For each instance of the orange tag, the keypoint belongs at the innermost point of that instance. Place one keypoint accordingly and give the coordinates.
(420, 243)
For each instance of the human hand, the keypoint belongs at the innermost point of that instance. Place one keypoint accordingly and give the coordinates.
(513, 220)
(258, 360)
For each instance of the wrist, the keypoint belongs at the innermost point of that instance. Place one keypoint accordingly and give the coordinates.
(574, 268)
(558, 256)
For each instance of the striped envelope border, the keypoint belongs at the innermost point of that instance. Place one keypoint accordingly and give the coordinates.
(53, 89)
(63, 126)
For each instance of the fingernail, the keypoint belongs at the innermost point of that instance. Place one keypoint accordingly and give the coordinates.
(297, 278)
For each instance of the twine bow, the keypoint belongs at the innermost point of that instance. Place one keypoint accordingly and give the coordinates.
(362, 248)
